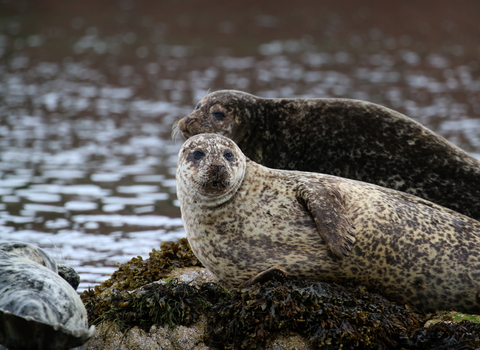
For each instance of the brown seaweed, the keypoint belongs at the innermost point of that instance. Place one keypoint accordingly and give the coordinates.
(330, 316)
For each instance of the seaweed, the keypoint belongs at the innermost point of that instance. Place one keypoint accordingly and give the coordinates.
(446, 335)
(330, 316)
(171, 303)
(135, 274)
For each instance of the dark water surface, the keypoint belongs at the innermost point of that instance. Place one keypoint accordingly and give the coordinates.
(89, 91)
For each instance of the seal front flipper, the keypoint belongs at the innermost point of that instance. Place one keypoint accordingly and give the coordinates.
(330, 217)
(275, 272)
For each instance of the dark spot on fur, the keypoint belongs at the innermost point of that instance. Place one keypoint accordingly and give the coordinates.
(419, 284)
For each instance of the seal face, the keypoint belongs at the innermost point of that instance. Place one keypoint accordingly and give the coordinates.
(213, 170)
(316, 226)
(342, 137)
(38, 308)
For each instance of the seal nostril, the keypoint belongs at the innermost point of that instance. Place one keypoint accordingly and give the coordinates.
(217, 167)
(188, 120)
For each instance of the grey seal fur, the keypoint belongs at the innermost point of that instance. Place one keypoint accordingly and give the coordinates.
(348, 138)
(38, 308)
(41, 257)
(242, 219)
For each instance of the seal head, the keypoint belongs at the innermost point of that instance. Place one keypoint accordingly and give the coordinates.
(227, 114)
(212, 171)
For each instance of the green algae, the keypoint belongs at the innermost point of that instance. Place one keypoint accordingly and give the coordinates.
(460, 316)
(172, 303)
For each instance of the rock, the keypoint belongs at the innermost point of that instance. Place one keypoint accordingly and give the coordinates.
(188, 309)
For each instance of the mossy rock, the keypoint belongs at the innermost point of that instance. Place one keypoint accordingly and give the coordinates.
(106, 297)
(328, 316)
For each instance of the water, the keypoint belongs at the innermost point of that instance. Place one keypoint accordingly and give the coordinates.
(89, 92)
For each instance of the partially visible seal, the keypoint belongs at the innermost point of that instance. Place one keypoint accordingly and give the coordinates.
(242, 219)
(41, 257)
(348, 138)
(38, 308)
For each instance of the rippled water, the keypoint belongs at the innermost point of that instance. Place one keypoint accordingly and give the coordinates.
(89, 92)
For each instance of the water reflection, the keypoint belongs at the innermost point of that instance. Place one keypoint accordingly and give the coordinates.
(87, 101)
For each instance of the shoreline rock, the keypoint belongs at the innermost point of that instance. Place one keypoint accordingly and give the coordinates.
(187, 309)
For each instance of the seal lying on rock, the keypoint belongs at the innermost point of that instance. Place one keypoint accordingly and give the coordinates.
(348, 138)
(242, 218)
(41, 257)
(38, 308)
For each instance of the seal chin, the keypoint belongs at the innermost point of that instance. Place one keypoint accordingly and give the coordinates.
(215, 188)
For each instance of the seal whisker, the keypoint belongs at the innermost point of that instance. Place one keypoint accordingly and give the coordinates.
(175, 131)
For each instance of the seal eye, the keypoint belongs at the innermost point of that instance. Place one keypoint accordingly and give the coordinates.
(197, 155)
(198, 106)
(228, 155)
(218, 115)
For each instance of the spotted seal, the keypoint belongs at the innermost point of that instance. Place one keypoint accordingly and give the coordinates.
(38, 308)
(242, 218)
(348, 138)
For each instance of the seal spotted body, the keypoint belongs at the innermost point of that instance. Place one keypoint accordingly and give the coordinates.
(348, 138)
(38, 308)
(242, 218)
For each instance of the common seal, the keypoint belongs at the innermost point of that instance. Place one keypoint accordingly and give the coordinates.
(242, 218)
(348, 138)
(41, 257)
(38, 308)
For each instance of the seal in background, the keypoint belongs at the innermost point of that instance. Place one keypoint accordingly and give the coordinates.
(348, 138)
